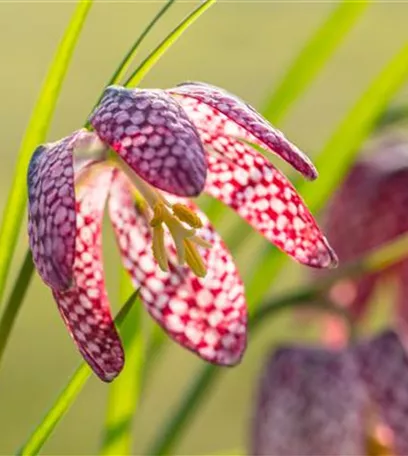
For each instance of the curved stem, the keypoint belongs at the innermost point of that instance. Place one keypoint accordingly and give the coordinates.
(15, 301)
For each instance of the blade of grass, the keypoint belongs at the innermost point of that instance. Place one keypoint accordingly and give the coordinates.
(201, 385)
(34, 135)
(14, 302)
(124, 393)
(300, 74)
(26, 270)
(147, 64)
(67, 397)
(312, 58)
(336, 157)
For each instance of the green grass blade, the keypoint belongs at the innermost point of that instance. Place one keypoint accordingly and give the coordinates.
(169, 436)
(35, 134)
(43, 431)
(14, 302)
(336, 157)
(124, 65)
(124, 393)
(343, 146)
(312, 58)
(142, 70)
(300, 74)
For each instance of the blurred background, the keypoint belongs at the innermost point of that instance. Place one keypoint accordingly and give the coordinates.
(242, 46)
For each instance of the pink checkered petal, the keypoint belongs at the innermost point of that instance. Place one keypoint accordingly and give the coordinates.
(384, 368)
(261, 195)
(217, 107)
(153, 135)
(85, 306)
(51, 211)
(310, 403)
(207, 316)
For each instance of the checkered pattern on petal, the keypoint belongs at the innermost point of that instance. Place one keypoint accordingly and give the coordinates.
(206, 315)
(85, 306)
(253, 125)
(153, 135)
(243, 179)
(51, 211)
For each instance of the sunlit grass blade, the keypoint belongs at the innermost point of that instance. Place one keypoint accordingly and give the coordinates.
(337, 155)
(14, 302)
(393, 115)
(147, 64)
(124, 65)
(301, 73)
(343, 146)
(34, 135)
(68, 396)
(124, 392)
(312, 58)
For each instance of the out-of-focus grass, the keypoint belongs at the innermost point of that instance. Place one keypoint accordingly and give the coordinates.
(243, 47)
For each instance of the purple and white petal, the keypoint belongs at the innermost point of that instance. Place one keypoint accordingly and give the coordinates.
(153, 135)
(257, 129)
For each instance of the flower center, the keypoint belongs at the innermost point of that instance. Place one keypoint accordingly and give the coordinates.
(181, 222)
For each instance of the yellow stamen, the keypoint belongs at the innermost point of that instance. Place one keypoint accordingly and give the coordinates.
(194, 259)
(159, 212)
(185, 214)
(159, 249)
(173, 216)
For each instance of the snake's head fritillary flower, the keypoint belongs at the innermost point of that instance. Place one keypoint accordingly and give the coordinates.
(311, 403)
(367, 211)
(151, 150)
(317, 401)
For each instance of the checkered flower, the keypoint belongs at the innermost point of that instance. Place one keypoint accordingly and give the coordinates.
(318, 402)
(151, 150)
(367, 211)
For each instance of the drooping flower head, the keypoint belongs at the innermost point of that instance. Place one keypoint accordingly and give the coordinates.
(367, 211)
(150, 151)
(318, 401)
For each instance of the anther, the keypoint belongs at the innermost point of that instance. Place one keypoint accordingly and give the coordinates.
(193, 259)
(158, 214)
(159, 249)
(185, 214)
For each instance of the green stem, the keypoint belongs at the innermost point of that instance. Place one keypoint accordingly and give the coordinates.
(37, 439)
(141, 71)
(15, 301)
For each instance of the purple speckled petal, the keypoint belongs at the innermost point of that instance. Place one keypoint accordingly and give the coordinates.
(51, 222)
(310, 403)
(258, 129)
(153, 135)
(383, 363)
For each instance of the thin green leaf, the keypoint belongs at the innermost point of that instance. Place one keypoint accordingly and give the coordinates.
(312, 58)
(337, 155)
(142, 70)
(124, 393)
(43, 431)
(298, 77)
(34, 135)
(343, 146)
(14, 302)
(124, 65)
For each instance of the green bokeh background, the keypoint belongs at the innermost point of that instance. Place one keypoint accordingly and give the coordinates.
(242, 46)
